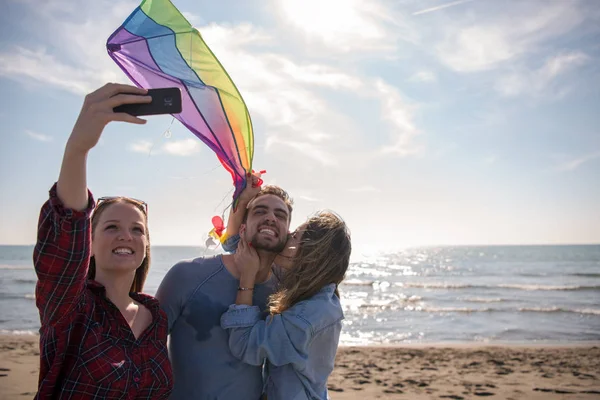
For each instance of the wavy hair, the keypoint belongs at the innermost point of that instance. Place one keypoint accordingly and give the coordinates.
(322, 258)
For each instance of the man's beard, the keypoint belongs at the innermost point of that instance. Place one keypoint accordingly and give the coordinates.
(270, 247)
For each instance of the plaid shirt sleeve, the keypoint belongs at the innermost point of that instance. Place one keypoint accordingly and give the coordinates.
(61, 257)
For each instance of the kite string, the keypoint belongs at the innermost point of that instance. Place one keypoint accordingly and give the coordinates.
(166, 134)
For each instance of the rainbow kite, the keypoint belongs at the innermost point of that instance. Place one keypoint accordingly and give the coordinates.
(158, 48)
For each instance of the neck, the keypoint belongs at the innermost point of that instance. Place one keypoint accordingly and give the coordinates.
(117, 286)
(266, 261)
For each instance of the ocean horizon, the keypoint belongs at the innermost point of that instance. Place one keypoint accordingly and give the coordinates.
(433, 294)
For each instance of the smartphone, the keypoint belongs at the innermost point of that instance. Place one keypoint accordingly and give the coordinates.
(164, 101)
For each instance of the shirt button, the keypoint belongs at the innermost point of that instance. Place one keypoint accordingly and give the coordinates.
(136, 379)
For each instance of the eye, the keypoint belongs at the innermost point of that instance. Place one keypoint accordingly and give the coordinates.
(110, 227)
(139, 230)
(281, 216)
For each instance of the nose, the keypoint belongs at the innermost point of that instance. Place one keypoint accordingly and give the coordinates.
(270, 218)
(124, 235)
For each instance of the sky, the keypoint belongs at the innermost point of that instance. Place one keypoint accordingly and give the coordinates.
(420, 122)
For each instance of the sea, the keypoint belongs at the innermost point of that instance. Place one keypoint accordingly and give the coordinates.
(486, 294)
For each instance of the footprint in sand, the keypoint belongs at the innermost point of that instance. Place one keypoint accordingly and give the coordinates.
(452, 396)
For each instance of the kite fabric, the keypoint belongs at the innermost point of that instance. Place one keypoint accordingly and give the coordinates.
(158, 48)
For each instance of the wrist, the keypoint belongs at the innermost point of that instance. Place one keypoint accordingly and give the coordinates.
(247, 279)
(73, 149)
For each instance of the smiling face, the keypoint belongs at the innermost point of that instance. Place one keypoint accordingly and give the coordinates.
(267, 223)
(120, 239)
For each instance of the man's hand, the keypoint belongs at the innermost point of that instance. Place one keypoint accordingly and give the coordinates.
(251, 190)
(247, 261)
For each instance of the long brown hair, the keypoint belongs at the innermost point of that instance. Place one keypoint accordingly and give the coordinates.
(322, 258)
(141, 273)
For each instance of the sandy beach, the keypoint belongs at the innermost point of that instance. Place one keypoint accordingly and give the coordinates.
(408, 372)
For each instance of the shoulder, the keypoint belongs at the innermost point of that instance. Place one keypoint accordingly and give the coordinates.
(187, 276)
(196, 269)
(320, 311)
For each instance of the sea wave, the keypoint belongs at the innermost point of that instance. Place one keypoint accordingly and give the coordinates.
(560, 310)
(550, 287)
(31, 281)
(483, 300)
(15, 267)
(493, 310)
(17, 332)
(442, 285)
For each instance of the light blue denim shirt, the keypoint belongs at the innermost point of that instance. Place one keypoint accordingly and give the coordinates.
(299, 345)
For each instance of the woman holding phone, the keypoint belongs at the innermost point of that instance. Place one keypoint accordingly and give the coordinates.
(100, 337)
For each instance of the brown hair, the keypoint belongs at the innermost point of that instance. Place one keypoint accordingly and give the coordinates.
(322, 258)
(141, 273)
(275, 191)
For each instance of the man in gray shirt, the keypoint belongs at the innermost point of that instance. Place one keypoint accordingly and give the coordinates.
(195, 293)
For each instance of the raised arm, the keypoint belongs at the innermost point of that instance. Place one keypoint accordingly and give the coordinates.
(62, 252)
(236, 217)
(96, 113)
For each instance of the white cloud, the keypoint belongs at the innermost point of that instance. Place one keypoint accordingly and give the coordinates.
(346, 25)
(534, 82)
(78, 67)
(308, 198)
(192, 18)
(306, 149)
(283, 94)
(39, 136)
(423, 76)
(185, 147)
(400, 115)
(573, 164)
(364, 189)
(489, 43)
(142, 146)
(441, 7)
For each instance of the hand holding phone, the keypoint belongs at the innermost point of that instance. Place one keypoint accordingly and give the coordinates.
(164, 101)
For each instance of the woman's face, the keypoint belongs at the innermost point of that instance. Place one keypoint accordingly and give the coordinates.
(286, 257)
(119, 238)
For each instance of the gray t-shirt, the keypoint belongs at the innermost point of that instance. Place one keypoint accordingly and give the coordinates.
(194, 294)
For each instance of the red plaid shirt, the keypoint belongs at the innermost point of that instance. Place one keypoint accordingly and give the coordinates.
(87, 349)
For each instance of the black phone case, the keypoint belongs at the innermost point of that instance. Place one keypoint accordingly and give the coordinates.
(164, 101)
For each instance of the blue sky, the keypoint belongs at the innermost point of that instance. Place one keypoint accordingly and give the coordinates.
(421, 122)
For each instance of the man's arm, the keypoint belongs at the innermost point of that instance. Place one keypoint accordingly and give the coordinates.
(236, 217)
(174, 290)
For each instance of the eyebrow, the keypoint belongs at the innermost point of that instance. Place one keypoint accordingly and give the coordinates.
(118, 221)
(262, 207)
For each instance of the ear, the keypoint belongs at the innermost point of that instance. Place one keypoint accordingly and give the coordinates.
(242, 229)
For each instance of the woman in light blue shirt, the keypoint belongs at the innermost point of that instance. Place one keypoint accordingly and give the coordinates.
(299, 338)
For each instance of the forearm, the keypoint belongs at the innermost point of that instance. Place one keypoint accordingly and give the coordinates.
(236, 218)
(244, 297)
(72, 182)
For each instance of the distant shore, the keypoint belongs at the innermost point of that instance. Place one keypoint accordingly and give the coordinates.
(415, 371)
